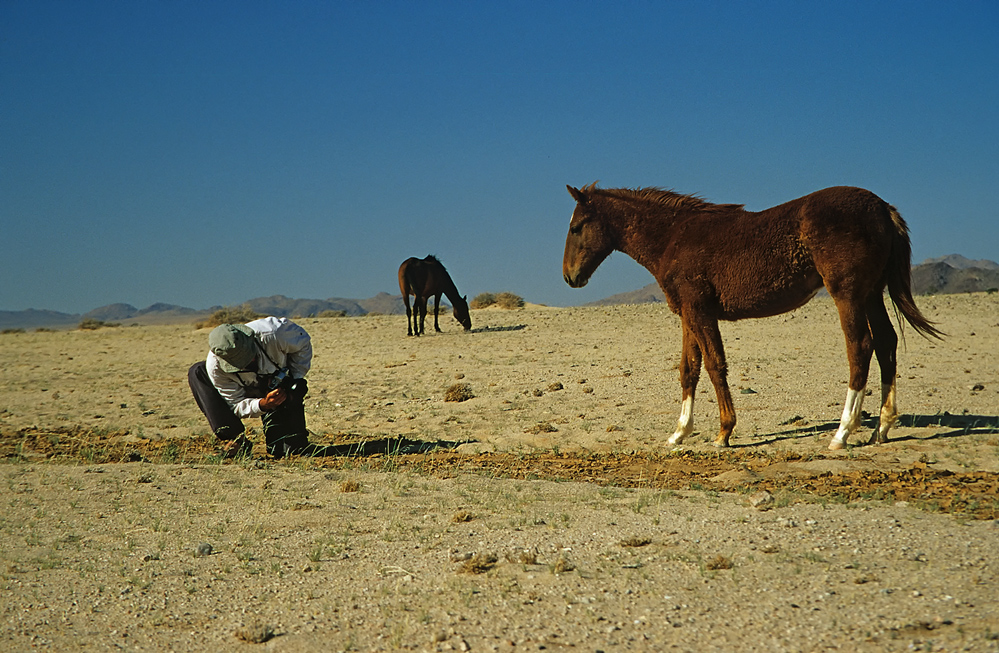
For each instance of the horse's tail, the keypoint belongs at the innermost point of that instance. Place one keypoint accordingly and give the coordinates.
(899, 277)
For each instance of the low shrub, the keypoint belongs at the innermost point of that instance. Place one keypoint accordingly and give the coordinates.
(505, 300)
(91, 324)
(483, 300)
(229, 315)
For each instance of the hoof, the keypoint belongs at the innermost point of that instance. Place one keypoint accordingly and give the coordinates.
(721, 444)
(836, 445)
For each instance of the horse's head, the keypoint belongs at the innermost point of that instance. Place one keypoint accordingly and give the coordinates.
(588, 242)
(461, 312)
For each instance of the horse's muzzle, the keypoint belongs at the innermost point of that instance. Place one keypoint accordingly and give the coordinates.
(574, 282)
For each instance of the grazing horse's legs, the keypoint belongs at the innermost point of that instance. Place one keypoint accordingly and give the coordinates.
(859, 348)
(690, 372)
(437, 306)
(421, 305)
(885, 343)
(409, 314)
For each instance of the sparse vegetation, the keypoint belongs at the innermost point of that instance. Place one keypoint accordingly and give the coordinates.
(229, 315)
(91, 324)
(459, 392)
(505, 300)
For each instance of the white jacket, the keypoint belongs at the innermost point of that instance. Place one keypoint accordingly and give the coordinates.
(284, 344)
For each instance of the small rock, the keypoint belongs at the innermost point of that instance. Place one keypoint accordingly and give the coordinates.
(203, 549)
(255, 634)
(762, 500)
(978, 387)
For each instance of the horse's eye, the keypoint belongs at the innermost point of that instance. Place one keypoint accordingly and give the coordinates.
(576, 229)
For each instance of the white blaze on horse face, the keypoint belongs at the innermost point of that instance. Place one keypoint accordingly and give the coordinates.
(850, 420)
(684, 425)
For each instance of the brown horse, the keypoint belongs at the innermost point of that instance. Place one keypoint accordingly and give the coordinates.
(423, 278)
(720, 262)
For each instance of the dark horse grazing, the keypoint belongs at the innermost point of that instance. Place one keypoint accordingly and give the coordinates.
(423, 278)
(721, 262)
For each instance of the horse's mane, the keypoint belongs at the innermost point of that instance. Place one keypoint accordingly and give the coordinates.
(661, 196)
(430, 258)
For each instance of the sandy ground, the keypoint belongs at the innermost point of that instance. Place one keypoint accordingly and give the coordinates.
(544, 513)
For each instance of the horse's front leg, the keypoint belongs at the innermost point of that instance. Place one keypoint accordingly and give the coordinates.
(437, 307)
(690, 372)
(709, 339)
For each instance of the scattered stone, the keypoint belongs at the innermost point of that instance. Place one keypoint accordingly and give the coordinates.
(479, 563)
(462, 516)
(554, 387)
(541, 427)
(203, 549)
(562, 565)
(762, 500)
(748, 391)
(719, 562)
(255, 634)
(978, 387)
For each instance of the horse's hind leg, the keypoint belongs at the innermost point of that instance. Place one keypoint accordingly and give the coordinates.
(421, 304)
(885, 344)
(437, 307)
(859, 347)
(690, 372)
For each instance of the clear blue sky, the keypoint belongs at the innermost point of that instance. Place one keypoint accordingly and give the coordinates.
(203, 153)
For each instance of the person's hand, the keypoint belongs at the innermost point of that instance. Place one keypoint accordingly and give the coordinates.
(273, 399)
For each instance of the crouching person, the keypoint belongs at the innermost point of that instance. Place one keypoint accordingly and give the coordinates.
(256, 370)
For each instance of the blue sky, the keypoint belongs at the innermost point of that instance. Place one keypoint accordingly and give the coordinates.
(205, 153)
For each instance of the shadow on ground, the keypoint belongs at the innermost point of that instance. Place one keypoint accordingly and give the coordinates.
(746, 469)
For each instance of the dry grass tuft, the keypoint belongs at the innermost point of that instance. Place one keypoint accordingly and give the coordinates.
(462, 516)
(459, 392)
(505, 300)
(479, 563)
(636, 541)
(350, 486)
(541, 427)
(719, 562)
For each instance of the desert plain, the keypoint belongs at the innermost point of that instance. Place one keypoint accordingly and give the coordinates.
(543, 511)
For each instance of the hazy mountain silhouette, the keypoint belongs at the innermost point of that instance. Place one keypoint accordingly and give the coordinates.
(944, 275)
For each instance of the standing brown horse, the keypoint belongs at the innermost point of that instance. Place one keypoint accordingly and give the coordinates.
(423, 278)
(720, 262)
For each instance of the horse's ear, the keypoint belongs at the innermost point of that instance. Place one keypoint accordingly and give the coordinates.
(576, 194)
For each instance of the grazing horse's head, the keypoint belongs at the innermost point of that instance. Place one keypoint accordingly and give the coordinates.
(588, 243)
(461, 312)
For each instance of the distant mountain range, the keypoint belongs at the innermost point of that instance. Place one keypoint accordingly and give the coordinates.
(127, 314)
(937, 276)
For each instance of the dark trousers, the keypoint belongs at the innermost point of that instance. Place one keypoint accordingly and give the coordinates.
(284, 427)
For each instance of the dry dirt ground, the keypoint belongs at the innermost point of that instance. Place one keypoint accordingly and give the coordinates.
(545, 512)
